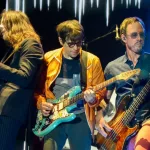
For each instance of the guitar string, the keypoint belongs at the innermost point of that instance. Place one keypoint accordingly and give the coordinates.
(107, 142)
(95, 88)
(114, 133)
(132, 114)
(102, 85)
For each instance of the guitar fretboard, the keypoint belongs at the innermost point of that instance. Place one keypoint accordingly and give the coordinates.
(104, 84)
(130, 113)
(66, 102)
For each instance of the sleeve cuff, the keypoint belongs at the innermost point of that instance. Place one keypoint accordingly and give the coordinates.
(40, 100)
(94, 104)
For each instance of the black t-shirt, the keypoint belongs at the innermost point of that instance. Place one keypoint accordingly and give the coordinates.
(68, 77)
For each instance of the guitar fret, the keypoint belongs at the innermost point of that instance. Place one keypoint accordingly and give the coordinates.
(65, 102)
(78, 97)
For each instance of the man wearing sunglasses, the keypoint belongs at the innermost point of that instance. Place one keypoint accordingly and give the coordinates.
(132, 33)
(65, 68)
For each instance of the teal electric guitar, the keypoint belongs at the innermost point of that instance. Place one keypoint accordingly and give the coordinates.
(65, 104)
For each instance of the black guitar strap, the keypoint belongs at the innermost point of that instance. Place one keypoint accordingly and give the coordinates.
(83, 69)
(5, 58)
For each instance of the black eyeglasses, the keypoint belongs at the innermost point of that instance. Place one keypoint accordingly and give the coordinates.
(134, 35)
(72, 44)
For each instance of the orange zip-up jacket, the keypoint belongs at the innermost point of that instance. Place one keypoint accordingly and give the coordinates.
(51, 69)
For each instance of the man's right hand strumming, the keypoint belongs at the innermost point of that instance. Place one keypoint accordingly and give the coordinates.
(101, 125)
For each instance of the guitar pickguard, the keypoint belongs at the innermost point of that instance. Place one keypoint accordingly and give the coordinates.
(59, 114)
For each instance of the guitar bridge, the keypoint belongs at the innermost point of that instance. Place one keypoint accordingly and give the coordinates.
(59, 114)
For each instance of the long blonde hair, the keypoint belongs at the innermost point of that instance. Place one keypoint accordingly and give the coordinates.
(18, 27)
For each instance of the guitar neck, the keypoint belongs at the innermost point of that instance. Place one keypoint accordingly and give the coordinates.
(80, 96)
(104, 84)
(130, 113)
(68, 102)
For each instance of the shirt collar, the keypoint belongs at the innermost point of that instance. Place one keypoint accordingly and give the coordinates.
(126, 59)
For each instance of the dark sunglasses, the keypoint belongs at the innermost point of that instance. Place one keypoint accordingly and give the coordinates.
(134, 35)
(72, 44)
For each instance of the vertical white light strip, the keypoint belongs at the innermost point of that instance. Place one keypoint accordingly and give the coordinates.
(127, 3)
(17, 3)
(80, 10)
(139, 4)
(60, 4)
(35, 3)
(23, 5)
(136, 1)
(91, 3)
(41, 5)
(121, 1)
(48, 4)
(24, 145)
(107, 12)
(7, 6)
(75, 8)
(97, 3)
(83, 6)
(113, 3)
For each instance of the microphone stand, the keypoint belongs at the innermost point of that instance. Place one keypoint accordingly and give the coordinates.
(100, 37)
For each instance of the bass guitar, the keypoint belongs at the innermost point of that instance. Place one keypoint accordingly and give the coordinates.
(121, 132)
(65, 104)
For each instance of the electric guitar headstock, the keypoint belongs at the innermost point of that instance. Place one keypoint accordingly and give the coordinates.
(128, 74)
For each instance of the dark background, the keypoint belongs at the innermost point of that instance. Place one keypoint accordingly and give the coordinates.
(93, 21)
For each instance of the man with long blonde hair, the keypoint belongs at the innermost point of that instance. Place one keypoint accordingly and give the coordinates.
(18, 70)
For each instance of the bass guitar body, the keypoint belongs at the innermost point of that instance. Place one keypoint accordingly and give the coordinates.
(120, 134)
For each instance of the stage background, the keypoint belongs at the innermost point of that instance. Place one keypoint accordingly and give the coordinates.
(93, 21)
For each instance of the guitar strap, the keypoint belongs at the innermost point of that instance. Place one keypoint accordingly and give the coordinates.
(83, 69)
(5, 58)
